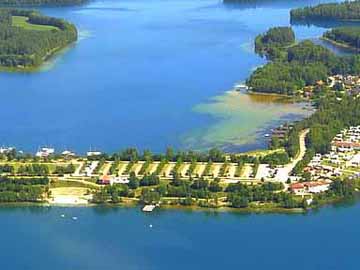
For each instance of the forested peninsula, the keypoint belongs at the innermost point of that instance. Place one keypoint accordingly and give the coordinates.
(27, 38)
(346, 11)
(348, 36)
(273, 41)
(40, 2)
(303, 64)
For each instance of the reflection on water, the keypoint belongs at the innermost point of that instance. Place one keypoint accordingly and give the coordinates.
(242, 4)
(241, 120)
(325, 23)
(339, 50)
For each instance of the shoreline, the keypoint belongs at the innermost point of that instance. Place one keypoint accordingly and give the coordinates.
(294, 99)
(221, 209)
(335, 202)
(46, 60)
(342, 45)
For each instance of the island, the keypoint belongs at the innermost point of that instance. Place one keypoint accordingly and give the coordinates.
(345, 11)
(28, 38)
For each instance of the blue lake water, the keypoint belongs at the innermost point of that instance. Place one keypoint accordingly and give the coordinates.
(39, 238)
(138, 73)
(149, 74)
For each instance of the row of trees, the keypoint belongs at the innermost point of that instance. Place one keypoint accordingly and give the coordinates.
(23, 189)
(35, 169)
(20, 47)
(132, 154)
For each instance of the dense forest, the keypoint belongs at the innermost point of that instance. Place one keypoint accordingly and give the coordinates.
(331, 11)
(347, 35)
(23, 47)
(40, 2)
(23, 189)
(275, 39)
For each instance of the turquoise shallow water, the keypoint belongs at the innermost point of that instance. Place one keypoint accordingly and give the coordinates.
(138, 74)
(101, 238)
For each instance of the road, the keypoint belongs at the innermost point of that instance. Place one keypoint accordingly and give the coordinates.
(283, 173)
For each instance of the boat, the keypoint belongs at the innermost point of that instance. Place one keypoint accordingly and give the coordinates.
(148, 208)
(241, 87)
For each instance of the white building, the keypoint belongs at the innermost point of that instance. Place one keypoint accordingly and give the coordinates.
(5, 150)
(309, 187)
(45, 152)
(317, 187)
(93, 153)
(68, 153)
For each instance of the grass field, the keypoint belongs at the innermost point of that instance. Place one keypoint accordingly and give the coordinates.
(69, 184)
(21, 21)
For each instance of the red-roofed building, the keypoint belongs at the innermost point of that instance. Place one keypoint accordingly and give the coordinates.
(309, 187)
(297, 188)
(346, 146)
(104, 180)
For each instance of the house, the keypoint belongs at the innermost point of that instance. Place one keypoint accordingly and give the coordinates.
(355, 160)
(45, 152)
(93, 153)
(310, 187)
(346, 146)
(104, 180)
(317, 186)
(68, 153)
(119, 180)
(6, 150)
(111, 180)
(297, 188)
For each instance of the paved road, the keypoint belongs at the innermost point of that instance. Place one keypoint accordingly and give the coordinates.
(283, 173)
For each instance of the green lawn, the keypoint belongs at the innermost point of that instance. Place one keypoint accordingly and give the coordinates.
(21, 21)
(64, 183)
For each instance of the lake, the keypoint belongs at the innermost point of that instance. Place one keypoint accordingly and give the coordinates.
(117, 238)
(149, 74)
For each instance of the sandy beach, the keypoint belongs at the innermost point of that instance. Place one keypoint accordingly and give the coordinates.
(69, 196)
